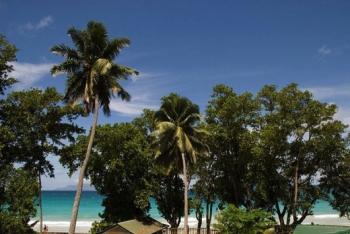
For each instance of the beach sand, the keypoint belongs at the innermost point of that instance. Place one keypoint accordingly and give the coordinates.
(84, 226)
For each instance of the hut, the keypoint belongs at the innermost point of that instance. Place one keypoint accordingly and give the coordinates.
(137, 226)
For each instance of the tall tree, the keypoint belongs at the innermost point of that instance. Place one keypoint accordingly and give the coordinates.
(178, 138)
(300, 144)
(232, 122)
(40, 126)
(168, 189)
(93, 79)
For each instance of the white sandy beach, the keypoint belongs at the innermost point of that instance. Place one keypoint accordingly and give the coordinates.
(84, 226)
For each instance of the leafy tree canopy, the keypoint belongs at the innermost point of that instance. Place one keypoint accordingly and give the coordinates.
(7, 55)
(231, 120)
(38, 126)
(338, 186)
(120, 169)
(300, 146)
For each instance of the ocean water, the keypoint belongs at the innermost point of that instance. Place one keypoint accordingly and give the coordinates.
(57, 207)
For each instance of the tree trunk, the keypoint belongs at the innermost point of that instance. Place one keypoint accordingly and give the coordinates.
(209, 215)
(185, 193)
(75, 208)
(40, 205)
(295, 198)
(199, 224)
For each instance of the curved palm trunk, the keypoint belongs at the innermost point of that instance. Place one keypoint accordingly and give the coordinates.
(185, 193)
(40, 204)
(75, 208)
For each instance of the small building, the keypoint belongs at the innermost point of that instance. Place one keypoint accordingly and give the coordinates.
(137, 226)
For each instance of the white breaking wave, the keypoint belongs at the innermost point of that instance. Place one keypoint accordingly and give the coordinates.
(326, 216)
(65, 223)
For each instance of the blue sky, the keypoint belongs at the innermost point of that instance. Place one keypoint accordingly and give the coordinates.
(189, 46)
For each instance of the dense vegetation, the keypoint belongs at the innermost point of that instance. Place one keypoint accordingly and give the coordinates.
(233, 220)
(275, 152)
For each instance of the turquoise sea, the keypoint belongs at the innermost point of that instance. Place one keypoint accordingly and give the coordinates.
(57, 206)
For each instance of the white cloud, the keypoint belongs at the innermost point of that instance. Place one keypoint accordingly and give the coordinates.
(131, 108)
(145, 90)
(343, 114)
(324, 50)
(29, 73)
(43, 23)
(328, 92)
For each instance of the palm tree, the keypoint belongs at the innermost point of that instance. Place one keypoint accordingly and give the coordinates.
(178, 138)
(92, 79)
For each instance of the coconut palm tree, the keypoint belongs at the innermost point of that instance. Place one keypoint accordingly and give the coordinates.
(178, 138)
(92, 80)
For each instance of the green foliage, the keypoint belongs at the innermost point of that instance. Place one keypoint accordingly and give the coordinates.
(232, 120)
(169, 194)
(39, 127)
(196, 203)
(233, 220)
(205, 188)
(7, 55)
(299, 141)
(168, 189)
(178, 138)
(99, 226)
(18, 191)
(285, 138)
(34, 126)
(90, 68)
(338, 186)
(146, 122)
(120, 169)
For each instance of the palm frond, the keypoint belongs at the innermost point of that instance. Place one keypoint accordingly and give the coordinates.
(98, 37)
(121, 92)
(68, 66)
(114, 47)
(122, 72)
(177, 131)
(65, 51)
(190, 119)
(77, 38)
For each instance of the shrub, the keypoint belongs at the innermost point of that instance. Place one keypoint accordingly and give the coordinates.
(99, 226)
(233, 220)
